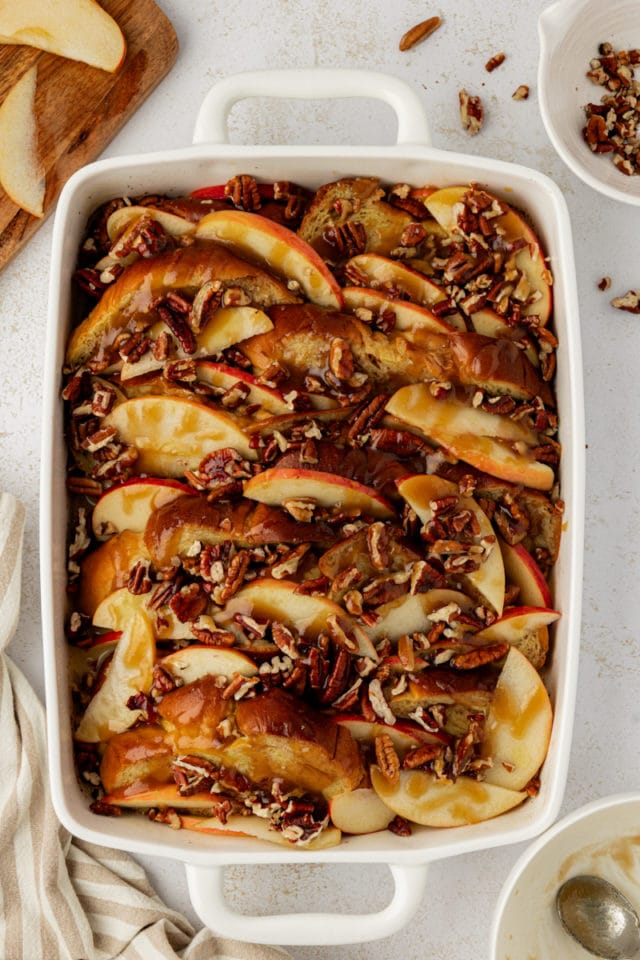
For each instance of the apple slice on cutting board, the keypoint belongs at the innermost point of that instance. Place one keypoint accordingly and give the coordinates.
(21, 173)
(75, 29)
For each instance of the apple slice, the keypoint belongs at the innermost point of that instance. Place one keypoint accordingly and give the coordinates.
(420, 491)
(226, 327)
(277, 248)
(359, 811)
(404, 736)
(499, 446)
(530, 260)
(221, 376)
(161, 796)
(525, 628)
(129, 505)
(420, 797)
(276, 485)
(518, 724)
(386, 274)
(115, 610)
(523, 571)
(408, 316)
(172, 434)
(76, 29)
(128, 217)
(21, 173)
(238, 826)
(410, 613)
(130, 672)
(280, 600)
(198, 660)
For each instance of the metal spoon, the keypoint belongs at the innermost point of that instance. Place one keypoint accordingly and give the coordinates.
(599, 917)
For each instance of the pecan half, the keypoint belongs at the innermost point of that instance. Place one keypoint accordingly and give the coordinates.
(387, 758)
(417, 33)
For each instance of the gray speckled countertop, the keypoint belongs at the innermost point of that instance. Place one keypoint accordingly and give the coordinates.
(218, 39)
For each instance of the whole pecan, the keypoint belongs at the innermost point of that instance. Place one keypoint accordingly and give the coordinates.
(387, 757)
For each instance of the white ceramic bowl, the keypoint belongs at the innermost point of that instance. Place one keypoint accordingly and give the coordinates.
(602, 838)
(212, 159)
(570, 34)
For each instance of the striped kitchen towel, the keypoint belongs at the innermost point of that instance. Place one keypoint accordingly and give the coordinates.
(60, 898)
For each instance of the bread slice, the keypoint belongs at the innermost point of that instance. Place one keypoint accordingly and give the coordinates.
(302, 335)
(358, 200)
(125, 303)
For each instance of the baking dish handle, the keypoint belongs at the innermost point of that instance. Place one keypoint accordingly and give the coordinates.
(314, 83)
(206, 888)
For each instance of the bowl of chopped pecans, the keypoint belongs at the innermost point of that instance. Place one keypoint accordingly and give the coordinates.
(589, 82)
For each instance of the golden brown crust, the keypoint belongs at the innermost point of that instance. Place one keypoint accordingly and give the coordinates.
(357, 200)
(184, 270)
(140, 755)
(107, 568)
(302, 335)
(172, 529)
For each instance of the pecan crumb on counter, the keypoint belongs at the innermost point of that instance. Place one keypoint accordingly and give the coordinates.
(630, 302)
(419, 32)
(521, 92)
(604, 284)
(495, 61)
(471, 113)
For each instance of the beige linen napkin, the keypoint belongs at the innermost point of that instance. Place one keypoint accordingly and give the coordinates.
(60, 898)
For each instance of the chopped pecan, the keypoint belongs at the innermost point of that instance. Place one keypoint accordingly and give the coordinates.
(341, 359)
(205, 303)
(495, 61)
(139, 581)
(421, 756)
(243, 192)
(188, 603)
(340, 636)
(400, 827)
(349, 238)
(471, 112)
(234, 579)
(84, 486)
(479, 656)
(417, 33)
(629, 302)
(300, 508)
(337, 678)
(387, 758)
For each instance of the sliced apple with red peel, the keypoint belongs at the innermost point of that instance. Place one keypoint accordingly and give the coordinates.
(238, 826)
(221, 376)
(173, 435)
(530, 260)
(420, 491)
(280, 600)
(198, 660)
(130, 672)
(129, 216)
(408, 316)
(410, 613)
(359, 811)
(387, 274)
(276, 485)
(422, 798)
(276, 247)
(404, 736)
(518, 724)
(129, 505)
(21, 173)
(523, 571)
(525, 628)
(500, 446)
(119, 606)
(76, 29)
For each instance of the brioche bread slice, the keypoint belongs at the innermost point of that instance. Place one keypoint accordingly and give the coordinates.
(302, 336)
(357, 200)
(125, 303)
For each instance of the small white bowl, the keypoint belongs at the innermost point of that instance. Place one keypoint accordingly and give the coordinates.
(602, 838)
(570, 33)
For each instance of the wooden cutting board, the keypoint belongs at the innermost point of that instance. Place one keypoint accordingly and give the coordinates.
(79, 108)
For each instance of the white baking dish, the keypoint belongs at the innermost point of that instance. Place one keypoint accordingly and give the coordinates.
(213, 159)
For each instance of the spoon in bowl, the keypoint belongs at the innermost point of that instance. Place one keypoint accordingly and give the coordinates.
(599, 917)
